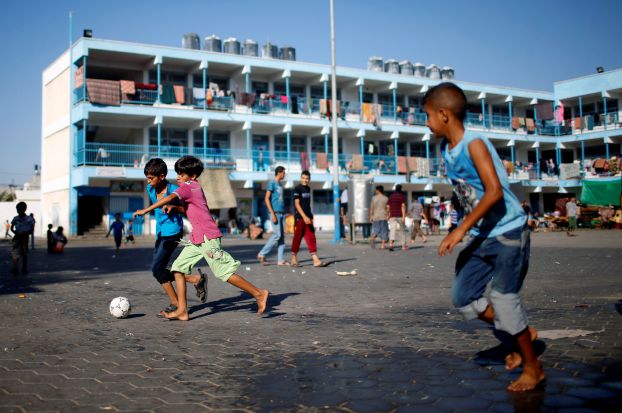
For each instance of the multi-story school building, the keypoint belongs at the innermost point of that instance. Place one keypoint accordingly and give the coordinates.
(109, 106)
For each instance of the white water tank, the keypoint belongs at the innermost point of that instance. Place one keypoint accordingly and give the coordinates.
(433, 72)
(375, 64)
(251, 48)
(270, 51)
(231, 46)
(419, 70)
(191, 41)
(447, 73)
(212, 44)
(392, 66)
(287, 53)
(406, 68)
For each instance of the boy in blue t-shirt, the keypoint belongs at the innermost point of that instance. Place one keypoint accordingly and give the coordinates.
(169, 231)
(117, 228)
(500, 243)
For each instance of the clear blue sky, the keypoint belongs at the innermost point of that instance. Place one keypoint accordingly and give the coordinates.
(527, 44)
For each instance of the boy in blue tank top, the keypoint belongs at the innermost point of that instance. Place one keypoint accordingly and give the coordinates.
(499, 250)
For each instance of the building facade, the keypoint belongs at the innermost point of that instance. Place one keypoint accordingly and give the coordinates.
(109, 106)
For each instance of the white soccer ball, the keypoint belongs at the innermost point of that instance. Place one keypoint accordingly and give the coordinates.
(120, 307)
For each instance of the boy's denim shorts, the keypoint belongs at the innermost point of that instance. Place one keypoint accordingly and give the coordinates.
(502, 260)
(220, 261)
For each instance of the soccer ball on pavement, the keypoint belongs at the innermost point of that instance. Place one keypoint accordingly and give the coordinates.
(120, 307)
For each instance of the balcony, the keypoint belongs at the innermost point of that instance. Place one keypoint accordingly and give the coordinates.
(136, 156)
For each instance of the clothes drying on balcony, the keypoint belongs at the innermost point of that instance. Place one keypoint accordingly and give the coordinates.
(418, 166)
(321, 160)
(104, 92)
(179, 92)
(78, 77)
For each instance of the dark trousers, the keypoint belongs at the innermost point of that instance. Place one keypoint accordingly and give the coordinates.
(164, 248)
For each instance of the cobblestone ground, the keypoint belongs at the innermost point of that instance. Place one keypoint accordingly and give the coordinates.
(385, 340)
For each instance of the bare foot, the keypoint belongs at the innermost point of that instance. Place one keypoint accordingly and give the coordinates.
(514, 359)
(262, 260)
(262, 301)
(294, 262)
(529, 379)
(178, 315)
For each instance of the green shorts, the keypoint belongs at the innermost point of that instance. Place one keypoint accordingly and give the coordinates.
(220, 261)
(572, 222)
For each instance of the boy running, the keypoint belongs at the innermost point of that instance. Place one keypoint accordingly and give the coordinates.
(500, 243)
(117, 228)
(22, 225)
(169, 231)
(204, 240)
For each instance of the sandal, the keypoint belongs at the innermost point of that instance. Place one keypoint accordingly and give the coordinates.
(169, 309)
(201, 287)
(262, 260)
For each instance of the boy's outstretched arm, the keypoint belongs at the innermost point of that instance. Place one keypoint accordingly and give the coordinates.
(493, 193)
(158, 204)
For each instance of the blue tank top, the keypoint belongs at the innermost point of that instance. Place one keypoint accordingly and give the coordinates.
(505, 215)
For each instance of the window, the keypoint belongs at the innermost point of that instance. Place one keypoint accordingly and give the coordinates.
(221, 81)
(387, 99)
(368, 97)
(259, 87)
(167, 77)
(417, 149)
(317, 144)
(317, 92)
(215, 139)
(169, 137)
(297, 143)
(261, 142)
(322, 201)
(294, 90)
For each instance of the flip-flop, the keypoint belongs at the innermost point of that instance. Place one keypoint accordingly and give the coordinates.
(201, 287)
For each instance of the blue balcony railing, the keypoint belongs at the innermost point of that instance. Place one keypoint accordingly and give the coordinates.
(501, 122)
(474, 119)
(136, 156)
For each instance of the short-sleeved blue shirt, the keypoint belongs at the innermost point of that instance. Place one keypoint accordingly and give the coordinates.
(166, 224)
(276, 197)
(117, 228)
(505, 215)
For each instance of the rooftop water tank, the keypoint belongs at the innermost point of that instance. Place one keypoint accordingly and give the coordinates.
(407, 68)
(419, 70)
(433, 72)
(251, 48)
(212, 44)
(375, 64)
(232, 46)
(270, 51)
(191, 41)
(287, 53)
(392, 66)
(447, 73)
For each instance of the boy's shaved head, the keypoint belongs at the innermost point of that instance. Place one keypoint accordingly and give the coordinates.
(447, 95)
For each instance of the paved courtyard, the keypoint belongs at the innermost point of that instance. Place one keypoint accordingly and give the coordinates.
(384, 340)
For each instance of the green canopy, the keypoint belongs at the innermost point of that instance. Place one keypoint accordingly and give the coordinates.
(601, 192)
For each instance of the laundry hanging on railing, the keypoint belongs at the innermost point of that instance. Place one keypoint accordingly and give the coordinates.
(179, 92)
(78, 77)
(128, 87)
(104, 92)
